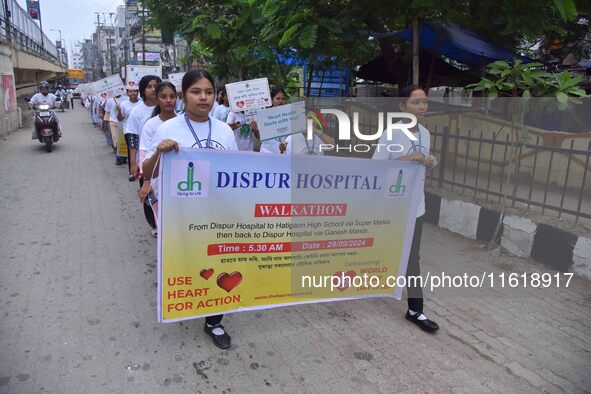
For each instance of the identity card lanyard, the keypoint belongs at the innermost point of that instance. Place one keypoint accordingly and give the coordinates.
(414, 146)
(208, 143)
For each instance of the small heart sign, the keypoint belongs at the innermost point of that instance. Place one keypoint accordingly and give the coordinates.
(131, 83)
(346, 283)
(229, 281)
(266, 99)
(206, 273)
(104, 95)
(240, 104)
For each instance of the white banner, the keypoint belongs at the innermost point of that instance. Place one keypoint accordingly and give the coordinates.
(247, 95)
(108, 87)
(176, 79)
(281, 121)
(133, 74)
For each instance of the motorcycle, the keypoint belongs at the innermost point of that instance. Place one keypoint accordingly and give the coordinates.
(59, 103)
(46, 126)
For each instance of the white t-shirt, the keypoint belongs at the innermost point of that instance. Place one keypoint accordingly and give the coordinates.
(111, 109)
(176, 129)
(298, 144)
(148, 133)
(243, 134)
(422, 145)
(271, 146)
(70, 93)
(39, 99)
(138, 116)
(213, 107)
(221, 113)
(126, 107)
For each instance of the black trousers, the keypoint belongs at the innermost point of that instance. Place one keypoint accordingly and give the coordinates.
(148, 212)
(415, 293)
(72, 103)
(213, 320)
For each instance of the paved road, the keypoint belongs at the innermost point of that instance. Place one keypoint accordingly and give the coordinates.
(78, 306)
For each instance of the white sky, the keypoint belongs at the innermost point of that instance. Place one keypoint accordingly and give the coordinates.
(75, 18)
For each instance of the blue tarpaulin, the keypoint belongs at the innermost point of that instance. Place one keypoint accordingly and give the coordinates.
(457, 44)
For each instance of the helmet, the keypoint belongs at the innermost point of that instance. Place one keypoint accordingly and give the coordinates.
(43, 85)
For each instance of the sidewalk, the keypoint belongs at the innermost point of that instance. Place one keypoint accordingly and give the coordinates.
(78, 309)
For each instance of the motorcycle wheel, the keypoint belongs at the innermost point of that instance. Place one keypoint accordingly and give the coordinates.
(48, 143)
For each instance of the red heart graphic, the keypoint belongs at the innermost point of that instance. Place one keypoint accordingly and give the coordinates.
(240, 104)
(229, 281)
(343, 286)
(206, 273)
(131, 83)
(266, 99)
(104, 95)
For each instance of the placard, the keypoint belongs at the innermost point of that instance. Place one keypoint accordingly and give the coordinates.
(281, 121)
(247, 95)
(134, 73)
(108, 87)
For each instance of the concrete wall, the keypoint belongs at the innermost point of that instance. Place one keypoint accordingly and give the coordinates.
(9, 121)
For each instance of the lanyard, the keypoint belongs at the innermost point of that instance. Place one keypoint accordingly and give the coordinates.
(414, 146)
(310, 150)
(208, 143)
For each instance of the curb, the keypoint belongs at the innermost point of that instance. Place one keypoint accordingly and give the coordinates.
(520, 236)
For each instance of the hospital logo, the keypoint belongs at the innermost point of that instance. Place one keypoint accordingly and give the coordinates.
(190, 178)
(395, 183)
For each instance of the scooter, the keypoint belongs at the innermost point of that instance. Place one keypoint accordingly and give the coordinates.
(59, 103)
(46, 126)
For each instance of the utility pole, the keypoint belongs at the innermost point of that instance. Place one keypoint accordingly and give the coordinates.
(143, 37)
(60, 52)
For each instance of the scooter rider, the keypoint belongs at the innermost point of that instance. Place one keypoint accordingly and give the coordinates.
(44, 97)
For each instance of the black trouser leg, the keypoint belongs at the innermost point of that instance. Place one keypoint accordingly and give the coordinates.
(148, 212)
(213, 320)
(415, 293)
(128, 159)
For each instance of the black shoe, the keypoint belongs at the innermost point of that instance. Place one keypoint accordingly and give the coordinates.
(425, 325)
(223, 341)
(118, 163)
(131, 178)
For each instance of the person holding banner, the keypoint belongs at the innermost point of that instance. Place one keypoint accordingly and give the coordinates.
(138, 116)
(278, 97)
(166, 93)
(414, 102)
(298, 144)
(244, 132)
(194, 129)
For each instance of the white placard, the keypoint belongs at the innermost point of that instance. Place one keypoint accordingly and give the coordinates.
(176, 79)
(108, 87)
(133, 74)
(281, 121)
(247, 95)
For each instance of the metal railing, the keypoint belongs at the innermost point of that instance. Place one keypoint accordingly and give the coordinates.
(469, 166)
(20, 29)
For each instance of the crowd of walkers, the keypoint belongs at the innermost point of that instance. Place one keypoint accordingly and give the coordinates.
(157, 118)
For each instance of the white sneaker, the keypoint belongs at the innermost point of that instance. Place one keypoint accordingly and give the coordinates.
(154, 232)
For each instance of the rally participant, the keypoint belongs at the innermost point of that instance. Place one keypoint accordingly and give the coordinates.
(275, 145)
(414, 102)
(166, 93)
(137, 118)
(194, 129)
(244, 132)
(125, 109)
(70, 94)
(221, 112)
(111, 112)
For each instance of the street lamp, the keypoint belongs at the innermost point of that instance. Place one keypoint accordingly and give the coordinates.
(61, 45)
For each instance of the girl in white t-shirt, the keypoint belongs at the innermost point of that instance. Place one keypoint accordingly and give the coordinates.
(194, 129)
(275, 145)
(415, 102)
(138, 116)
(164, 110)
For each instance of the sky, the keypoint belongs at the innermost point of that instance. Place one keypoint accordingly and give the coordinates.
(75, 18)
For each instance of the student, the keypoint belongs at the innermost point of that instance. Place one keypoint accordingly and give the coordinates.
(111, 112)
(194, 129)
(138, 116)
(222, 110)
(166, 94)
(244, 132)
(275, 145)
(125, 109)
(414, 102)
(70, 94)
